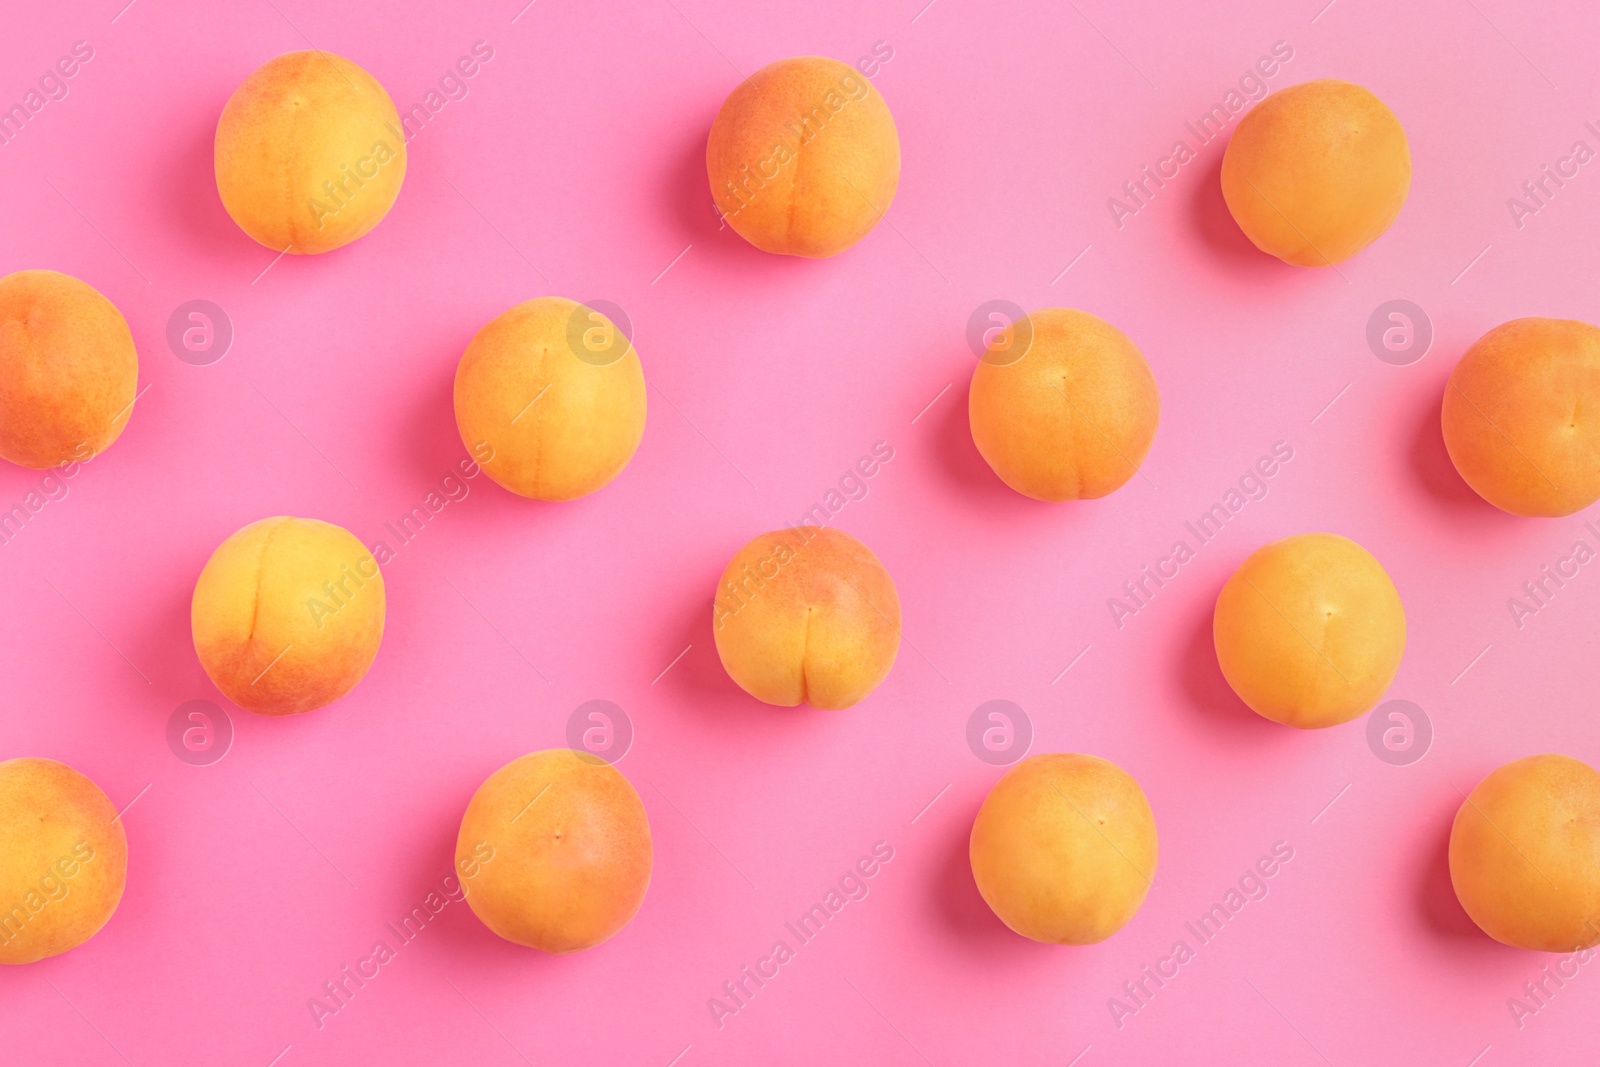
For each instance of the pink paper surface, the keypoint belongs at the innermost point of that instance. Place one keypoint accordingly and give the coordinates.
(574, 166)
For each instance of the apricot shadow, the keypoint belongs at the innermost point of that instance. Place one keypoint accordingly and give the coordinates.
(1206, 688)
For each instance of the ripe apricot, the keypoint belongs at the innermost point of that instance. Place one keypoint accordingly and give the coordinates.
(569, 851)
(803, 157)
(68, 370)
(553, 394)
(1525, 854)
(1316, 172)
(1517, 416)
(1063, 406)
(309, 153)
(288, 614)
(806, 615)
(1064, 848)
(1309, 630)
(63, 859)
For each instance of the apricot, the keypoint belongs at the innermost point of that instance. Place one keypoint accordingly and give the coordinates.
(68, 370)
(288, 614)
(63, 859)
(1064, 848)
(552, 393)
(555, 851)
(309, 153)
(1516, 416)
(803, 157)
(1525, 854)
(1317, 172)
(806, 615)
(1063, 406)
(1309, 630)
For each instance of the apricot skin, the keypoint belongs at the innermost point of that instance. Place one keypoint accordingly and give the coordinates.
(268, 630)
(63, 859)
(1064, 848)
(806, 615)
(1316, 172)
(1525, 854)
(555, 425)
(301, 120)
(803, 157)
(1071, 418)
(571, 851)
(1309, 630)
(68, 370)
(1518, 416)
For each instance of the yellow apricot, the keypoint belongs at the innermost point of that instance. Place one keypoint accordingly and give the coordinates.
(555, 851)
(68, 370)
(309, 153)
(1063, 406)
(288, 614)
(551, 392)
(1309, 630)
(803, 157)
(806, 615)
(1518, 416)
(1064, 848)
(63, 859)
(1316, 172)
(1525, 854)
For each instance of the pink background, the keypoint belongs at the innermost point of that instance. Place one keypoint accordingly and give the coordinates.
(579, 150)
